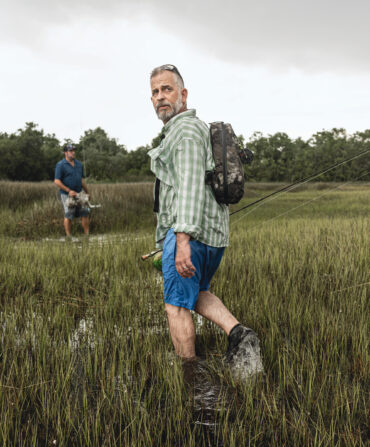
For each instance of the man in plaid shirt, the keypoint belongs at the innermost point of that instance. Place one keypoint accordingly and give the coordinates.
(192, 227)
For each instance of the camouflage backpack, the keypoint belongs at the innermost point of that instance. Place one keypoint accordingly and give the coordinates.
(229, 158)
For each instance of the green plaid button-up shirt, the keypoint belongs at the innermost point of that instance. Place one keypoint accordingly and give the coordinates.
(186, 203)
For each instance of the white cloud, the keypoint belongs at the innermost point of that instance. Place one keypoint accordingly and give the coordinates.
(319, 35)
(267, 66)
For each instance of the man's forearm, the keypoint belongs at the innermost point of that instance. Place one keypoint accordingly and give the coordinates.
(84, 187)
(61, 185)
(182, 239)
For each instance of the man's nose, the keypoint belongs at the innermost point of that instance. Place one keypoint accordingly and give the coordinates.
(160, 95)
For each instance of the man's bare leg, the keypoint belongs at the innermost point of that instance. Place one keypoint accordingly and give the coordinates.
(68, 226)
(212, 308)
(182, 330)
(85, 224)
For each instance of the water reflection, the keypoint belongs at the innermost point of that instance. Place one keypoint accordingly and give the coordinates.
(209, 396)
(99, 240)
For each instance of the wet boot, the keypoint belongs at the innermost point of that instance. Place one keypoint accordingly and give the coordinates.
(243, 353)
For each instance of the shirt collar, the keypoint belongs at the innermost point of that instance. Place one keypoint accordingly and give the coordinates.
(160, 151)
(187, 114)
(66, 161)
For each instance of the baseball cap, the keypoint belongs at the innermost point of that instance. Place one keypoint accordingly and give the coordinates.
(69, 147)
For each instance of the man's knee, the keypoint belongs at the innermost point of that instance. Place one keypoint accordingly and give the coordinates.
(204, 297)
(204, 294)
(175, 311)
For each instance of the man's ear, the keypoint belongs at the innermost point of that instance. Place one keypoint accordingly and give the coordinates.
(184, 95)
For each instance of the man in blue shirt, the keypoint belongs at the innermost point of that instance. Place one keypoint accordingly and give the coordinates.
(69, 178)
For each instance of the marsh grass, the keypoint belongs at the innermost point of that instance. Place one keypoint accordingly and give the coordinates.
(85, 354)
(33, 210)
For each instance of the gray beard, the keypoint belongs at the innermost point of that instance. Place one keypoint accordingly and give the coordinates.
(166, 115)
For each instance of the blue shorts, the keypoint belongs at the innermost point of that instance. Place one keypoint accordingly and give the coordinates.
(183, 292)
(70, 213)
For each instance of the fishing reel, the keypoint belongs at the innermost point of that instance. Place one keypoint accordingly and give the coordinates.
(157, 261)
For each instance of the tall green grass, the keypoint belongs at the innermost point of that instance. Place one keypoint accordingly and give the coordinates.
(85, 355)
(33, 210)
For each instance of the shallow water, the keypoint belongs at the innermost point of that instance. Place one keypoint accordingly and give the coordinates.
(207, 395)
(206, 392)
(99, 240)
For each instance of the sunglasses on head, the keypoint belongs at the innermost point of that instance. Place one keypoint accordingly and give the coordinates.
(172, 68)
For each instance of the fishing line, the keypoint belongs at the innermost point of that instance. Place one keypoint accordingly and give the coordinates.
(351, 287)
(83, 148)
(300, 182)
(149, 255)
(283, 190)
(304, 203)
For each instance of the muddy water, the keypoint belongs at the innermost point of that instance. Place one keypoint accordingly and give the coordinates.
(205, 391)
(100, 240)
(208, 396)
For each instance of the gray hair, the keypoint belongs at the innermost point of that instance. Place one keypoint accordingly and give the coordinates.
(172, 69)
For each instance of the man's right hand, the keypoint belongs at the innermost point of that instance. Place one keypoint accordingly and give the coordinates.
(184, 266)
(72, 193)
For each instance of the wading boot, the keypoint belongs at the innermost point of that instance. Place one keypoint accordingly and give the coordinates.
(243, 353)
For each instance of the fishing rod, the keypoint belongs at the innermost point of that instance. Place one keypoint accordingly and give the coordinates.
(305, 203)
(149, 255)
(285, 188)
(298, 182)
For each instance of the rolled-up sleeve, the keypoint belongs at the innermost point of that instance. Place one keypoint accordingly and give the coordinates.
(189, 165)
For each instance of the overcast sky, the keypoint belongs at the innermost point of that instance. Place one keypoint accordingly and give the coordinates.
(291, 66)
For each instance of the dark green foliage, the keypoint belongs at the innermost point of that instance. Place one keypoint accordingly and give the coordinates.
(277, 158)
(103, 157)
(30, 155)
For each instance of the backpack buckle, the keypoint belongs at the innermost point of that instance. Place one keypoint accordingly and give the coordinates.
(246, 155)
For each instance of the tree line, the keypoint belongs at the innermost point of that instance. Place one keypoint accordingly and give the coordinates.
(30, 155)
